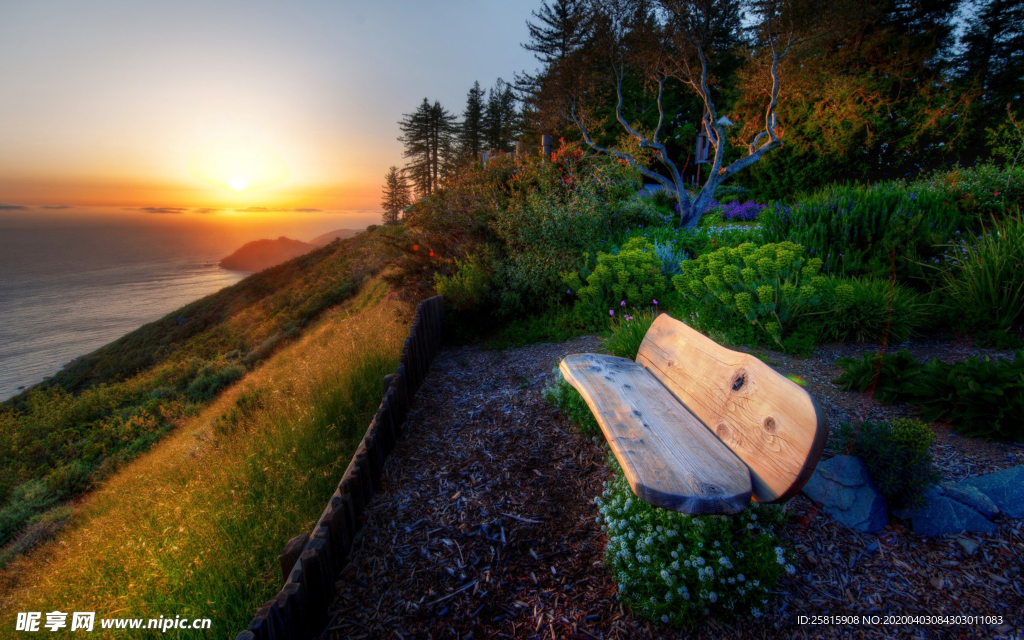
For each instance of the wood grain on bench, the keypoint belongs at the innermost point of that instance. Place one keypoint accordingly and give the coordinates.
(771, 423)
(668, 457)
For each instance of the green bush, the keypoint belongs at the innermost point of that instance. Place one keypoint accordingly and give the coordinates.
(467, 287)
(561, 395)
(870, 310)
(891, 374)
(876, 231)
(628, 332)
(210, 381)
(679, 569)
(983, 277)
(770, 286)
(978, 397)
(633, 275)
(637, 212)
(981, 191)
(897, 455)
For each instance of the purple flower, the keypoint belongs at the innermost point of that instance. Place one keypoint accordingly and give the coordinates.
(623, 303)
(569, 291)
(654, 302)
(611, 312)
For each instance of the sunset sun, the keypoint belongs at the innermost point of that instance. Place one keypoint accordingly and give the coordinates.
(238, 166)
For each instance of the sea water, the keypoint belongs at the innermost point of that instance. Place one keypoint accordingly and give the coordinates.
(68, 288)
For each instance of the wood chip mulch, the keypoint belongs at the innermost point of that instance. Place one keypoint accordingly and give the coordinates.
(486, 528)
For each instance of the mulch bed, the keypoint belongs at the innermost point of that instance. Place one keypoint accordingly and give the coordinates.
(486, 527)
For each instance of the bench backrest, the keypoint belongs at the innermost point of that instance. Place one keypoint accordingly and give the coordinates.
(768, 421)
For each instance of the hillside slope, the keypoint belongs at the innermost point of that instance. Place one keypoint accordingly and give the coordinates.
(263, 254)
(194, 526)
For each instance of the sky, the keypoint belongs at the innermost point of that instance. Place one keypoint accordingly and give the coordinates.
(242, 109)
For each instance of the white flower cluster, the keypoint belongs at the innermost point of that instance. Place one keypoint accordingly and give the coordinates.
(677, 568)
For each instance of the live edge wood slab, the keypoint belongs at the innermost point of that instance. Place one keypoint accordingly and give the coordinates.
(699, 428)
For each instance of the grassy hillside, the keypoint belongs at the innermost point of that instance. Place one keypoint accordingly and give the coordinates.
(60, 438)
(194, 526)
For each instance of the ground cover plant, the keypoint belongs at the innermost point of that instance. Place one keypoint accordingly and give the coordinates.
(678, 569)
(201, 539)
(897, 455)
(980, 397)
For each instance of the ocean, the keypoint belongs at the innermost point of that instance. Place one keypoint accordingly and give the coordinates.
(69, 287)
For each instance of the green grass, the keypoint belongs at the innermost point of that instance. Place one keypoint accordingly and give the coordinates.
(195, 526)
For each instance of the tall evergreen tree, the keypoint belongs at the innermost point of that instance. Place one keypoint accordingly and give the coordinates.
(501, 117)
(561, 28)
(428, 135)
(395, 196)
(992, 57)
(471, 131)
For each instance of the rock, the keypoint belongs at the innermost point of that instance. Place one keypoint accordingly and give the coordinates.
(842, 486)
(942, 515)
(967, 495)
(1005, 488)
(970, 546)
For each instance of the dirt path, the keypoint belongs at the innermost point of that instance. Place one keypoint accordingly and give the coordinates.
(486, 528)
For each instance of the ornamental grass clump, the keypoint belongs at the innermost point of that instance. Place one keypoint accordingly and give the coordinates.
(628, 331)
(771, 285)
(678, 569)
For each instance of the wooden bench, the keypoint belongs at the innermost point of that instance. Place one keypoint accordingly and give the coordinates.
(699, 428)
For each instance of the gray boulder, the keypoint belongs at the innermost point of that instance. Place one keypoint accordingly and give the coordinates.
(941, 515)
(1005, 488)
(843, 488)
(967, 495)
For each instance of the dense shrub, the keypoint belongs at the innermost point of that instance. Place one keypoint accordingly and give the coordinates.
(870, 310)
(770, 285)
(983, 277)
(561, 395)
(211, 380)
(633, 275)
(979, 397)
(628, 332)
(467, 287)
(671, 258)
(982, 191)
(678, 569)
(897, 455)
(888, 375)
(876, 231)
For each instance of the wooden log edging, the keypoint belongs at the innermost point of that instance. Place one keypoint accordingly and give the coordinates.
(311, 561)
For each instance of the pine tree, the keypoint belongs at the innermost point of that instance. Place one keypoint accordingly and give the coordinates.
(562, 27)
(396, 195)
(471, 133)
(501, 117)
(992, 52)
(428, 135)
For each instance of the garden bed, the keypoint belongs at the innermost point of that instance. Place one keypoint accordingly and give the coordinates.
(486, 524)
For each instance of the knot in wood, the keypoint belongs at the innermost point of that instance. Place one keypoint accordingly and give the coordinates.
(739, 380)
(769, 425)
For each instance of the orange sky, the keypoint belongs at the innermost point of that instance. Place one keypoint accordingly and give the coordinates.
(231, 105)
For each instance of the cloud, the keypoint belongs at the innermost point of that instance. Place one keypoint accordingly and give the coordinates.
(164, 210)
(12, 207)
(278, 209)
(56, 206)
(205, 210)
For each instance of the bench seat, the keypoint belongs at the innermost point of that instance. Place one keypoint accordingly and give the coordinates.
(699, 428)
(670, 459)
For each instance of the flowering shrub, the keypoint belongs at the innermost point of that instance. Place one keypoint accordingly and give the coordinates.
(633, 275)
(876, 230)
(768, 285)
(675, 568)
(744, 212)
